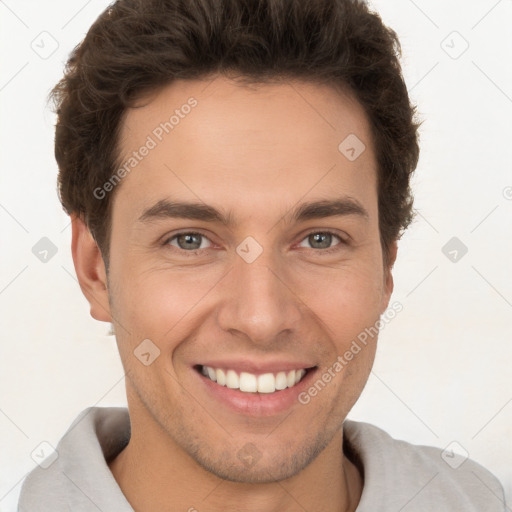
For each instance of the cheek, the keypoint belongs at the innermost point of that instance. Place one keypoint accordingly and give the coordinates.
(159, 303)
(350, 311)
(347, 298)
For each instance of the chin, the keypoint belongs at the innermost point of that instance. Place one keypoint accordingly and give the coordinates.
(249, 465)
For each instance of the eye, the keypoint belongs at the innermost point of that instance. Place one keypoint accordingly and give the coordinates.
(323, 239)
(187, 241)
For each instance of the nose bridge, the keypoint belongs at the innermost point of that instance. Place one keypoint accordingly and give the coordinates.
(258, 301)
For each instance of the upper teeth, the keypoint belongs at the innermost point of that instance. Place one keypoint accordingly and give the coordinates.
(250, 383)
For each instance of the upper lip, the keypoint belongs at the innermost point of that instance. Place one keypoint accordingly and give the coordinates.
(257, 367)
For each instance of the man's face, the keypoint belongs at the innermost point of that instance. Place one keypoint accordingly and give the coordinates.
(266, 293)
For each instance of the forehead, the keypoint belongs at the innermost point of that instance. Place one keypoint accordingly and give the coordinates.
(224, 143)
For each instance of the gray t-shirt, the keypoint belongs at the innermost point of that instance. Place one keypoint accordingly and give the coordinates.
(398, 476)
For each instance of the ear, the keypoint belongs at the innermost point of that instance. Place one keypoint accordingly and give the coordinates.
(90, 269)
(388, 276)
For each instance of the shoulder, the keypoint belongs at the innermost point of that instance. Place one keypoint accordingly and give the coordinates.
(403, 476)
(76, 472)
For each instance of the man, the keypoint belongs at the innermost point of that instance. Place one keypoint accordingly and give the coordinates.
(237, 174)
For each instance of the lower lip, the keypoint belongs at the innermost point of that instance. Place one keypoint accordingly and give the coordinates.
(257, 404)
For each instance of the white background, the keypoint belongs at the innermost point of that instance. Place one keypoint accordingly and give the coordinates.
(443, 369)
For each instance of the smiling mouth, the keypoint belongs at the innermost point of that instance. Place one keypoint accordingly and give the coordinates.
(252, 383)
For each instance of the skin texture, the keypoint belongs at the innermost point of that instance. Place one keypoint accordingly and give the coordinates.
(256, 152)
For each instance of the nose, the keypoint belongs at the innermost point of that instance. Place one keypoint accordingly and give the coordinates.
(259, 302)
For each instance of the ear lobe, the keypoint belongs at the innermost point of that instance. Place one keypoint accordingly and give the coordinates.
(90, 269)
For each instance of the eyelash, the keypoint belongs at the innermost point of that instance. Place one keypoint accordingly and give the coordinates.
(196, 252)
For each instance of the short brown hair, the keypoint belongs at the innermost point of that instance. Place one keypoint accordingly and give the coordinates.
(139, 46)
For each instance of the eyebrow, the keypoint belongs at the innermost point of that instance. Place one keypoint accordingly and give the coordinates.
(164, 209)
